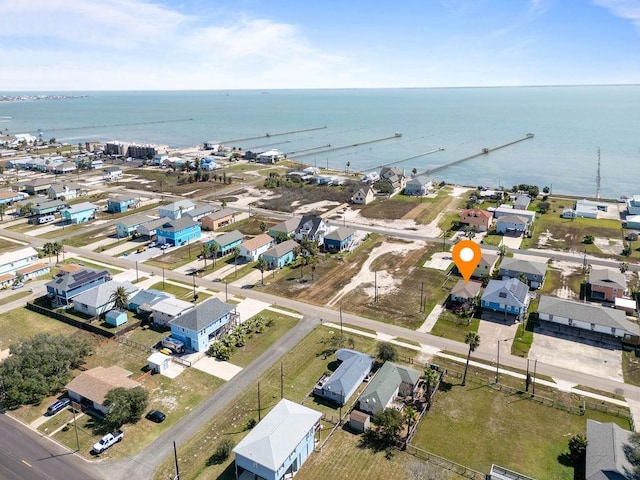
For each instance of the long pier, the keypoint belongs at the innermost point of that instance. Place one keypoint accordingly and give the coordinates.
(151, 122)
(359, 144)
(441, 149)
(484, 151)
(305, 151)
(269, 135)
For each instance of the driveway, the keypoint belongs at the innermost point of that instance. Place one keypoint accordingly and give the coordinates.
(494, 331)
(565, 350)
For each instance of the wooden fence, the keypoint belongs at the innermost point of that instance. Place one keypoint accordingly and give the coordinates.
(445, 464)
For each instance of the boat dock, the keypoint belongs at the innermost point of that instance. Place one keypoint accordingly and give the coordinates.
(269, 135)
(441, 149)
(484, 151)
(359, 144)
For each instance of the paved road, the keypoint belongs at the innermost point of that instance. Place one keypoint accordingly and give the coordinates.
(26, 455)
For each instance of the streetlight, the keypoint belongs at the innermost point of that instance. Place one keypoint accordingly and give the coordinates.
(498, 358)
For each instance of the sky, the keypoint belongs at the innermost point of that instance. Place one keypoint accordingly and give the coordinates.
(84, 45)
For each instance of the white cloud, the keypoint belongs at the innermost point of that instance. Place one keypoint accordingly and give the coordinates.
(626, 9)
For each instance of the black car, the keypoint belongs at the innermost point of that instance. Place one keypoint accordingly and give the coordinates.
(156, 416)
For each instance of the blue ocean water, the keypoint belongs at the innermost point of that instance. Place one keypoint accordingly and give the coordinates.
(570, 124)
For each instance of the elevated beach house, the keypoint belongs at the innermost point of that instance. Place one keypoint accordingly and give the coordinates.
(506, 296)
(63, 289)
(80, 212)
(176, 209)
(353, 369)
(218, 219)
(254, 247)
(178, 232)
(281, 254)
(227, 242)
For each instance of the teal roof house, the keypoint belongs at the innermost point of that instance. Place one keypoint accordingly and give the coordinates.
(227, 242)
(80, 212)
(391, 381)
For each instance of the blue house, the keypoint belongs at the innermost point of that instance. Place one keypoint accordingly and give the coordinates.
(63, 289)
(80, 212)
(122, 203)
(178, 232)
(198, 327)
(281, 255)
(227, 241)
(353, 369)
(506, 296)
(339, 239)
(279, 445)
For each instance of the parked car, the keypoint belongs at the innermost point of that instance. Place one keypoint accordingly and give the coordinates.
(58, 405)
(151, 245)
(17, 285)
(107, 441)
(156, 416)
(166, 351)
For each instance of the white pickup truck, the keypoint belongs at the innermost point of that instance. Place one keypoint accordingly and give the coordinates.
(108, 440)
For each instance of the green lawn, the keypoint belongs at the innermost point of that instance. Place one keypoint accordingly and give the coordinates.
(631, 367)
(454, 327)
(21, 323)
(15, 296)
(494, 240)
(523, 340)
(183, 293)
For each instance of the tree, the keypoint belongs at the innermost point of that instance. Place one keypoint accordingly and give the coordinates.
(624, 266)
(206, 251)
(577, 448)
(57, 250)
(120, 298)
(348, 165)
(48, 250)
(588, 239)
(214, 252)
(410, 417)
(220, 351)
(632, 452)
(383, 186)
(543, 207)
(235, 253)
(414, 171)
(502, 250)
(262, 266)
(263, 227)
(389, 421)
(431, 376)
(386, 352)
(473, 340)
(126, 405)
(3, 210)
(545, 190)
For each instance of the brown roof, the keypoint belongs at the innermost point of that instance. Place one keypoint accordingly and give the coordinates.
(476, 212)
(70, 268)
(257, 242)
(32, 268)
(6, 277)
(95, 383)
(359, 416)
(464, 289)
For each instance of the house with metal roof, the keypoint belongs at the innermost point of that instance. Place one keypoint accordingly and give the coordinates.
(38, 186)
(606, 457)
(205, 322)
(512, 224)
(587, 316)
(279, 444)
(178, 232)
(227, 242)
(176, 209)
(150, 228)
(607, 284)
(506, 296)
(218, 219)
(90, 387)
(165, 310)
(66, 191)
(339, 239)
(80, 212)
(284, 230)
(98, 300)
(199, 212)
(589, 208)
(19, 258)
(122, 203)
(391, 381)
(281, 254)
(47, 207)
(353, 369)
(521, 202)
(418, 186)
(534, 272)
(254, 247)
(63, 289)
(143, 300)
(128, 225)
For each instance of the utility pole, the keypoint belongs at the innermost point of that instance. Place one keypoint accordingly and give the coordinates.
(341, 332)
(175, 457)
(375, 287)
(137, 277)
(533, 391)
(75, 424)
(163, 279)
(259, 417)
(281, 382)
(421, 295)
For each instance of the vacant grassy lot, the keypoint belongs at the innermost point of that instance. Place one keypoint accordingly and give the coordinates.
(21, 323)
(183, 293)
(303, 365)
(450, 325)
(393, 208)
(250, 226)
(288, 199)
(7, 245)
(479, 419)
(631, 367)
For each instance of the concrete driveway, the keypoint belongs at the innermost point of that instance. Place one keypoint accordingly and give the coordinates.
(583, 356)
(494, 330)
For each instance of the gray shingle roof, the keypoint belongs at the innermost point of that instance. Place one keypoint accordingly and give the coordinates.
(178, 224)
(464, 289)
(586, 312)
(203, 315)
(340, 234)
(81, 207)
(100, 294)
(200, 211)
(607, 277)
(523, 266)
(349, 374)
(281, 249)
(135, 220)
(228, 238)
(606, 459)
(148, 297)
(225, 212)
(515, 219)
(384, 384)
(515, 290)
(288, 226)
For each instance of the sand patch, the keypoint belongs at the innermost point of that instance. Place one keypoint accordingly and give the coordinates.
(608, 245)
(315, 207)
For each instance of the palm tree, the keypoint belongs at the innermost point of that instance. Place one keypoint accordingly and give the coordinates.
(206, 251)
(502, 250)
(235, 253)
(431, 376)
(262, 266)
(57, 248)
(47, 249)
(263, 226)
(3, 210)
(348, 165)
(120, 298)
(473, 340)
(214, 252)
(410, 416)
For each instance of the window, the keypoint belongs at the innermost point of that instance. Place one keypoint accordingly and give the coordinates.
(550, 316)
(502, 294)
(593, 326)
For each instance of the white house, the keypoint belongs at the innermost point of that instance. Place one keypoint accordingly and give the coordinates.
(166, 310)
(363, 196)
(112, 173)
(254, 247)
(99, 299)
(176, 209)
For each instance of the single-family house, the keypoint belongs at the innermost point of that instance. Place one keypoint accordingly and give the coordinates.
(63, 191)
(128, 225)
(218, 219)
(33, 271)
(508, 210)
(606, 456)
(10, 197)
(208, 164)
(79, 212)
(158, 362)
(395, 177)
(353, 369)
(64, 168)
(363, 196)
(145, 299)
(339, 239)
(607, 284)
(122, 203)
(166, 309)
(465, 292)
(587, 316)
(312, 228)
(200, 212)
(63, 289)
(512, 224)
(391, 381)
(254, 247)
(270, 156)
(47, 207)
(279, 444)
(521, 202)
(198, 327)
(475, 217)
(418, 186)
(569, 213)
(281, 254)
(506, 296)
(176, 209)
(38, 186)
(178, 232)
(227, 242)
(16, 259)
(284, 230)
(534, 272)
(112, 173)
(99, 299)
(486, 265)
(150, 228)
(589, 208)
(632, 222)
(633, 205)
(90, 387)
